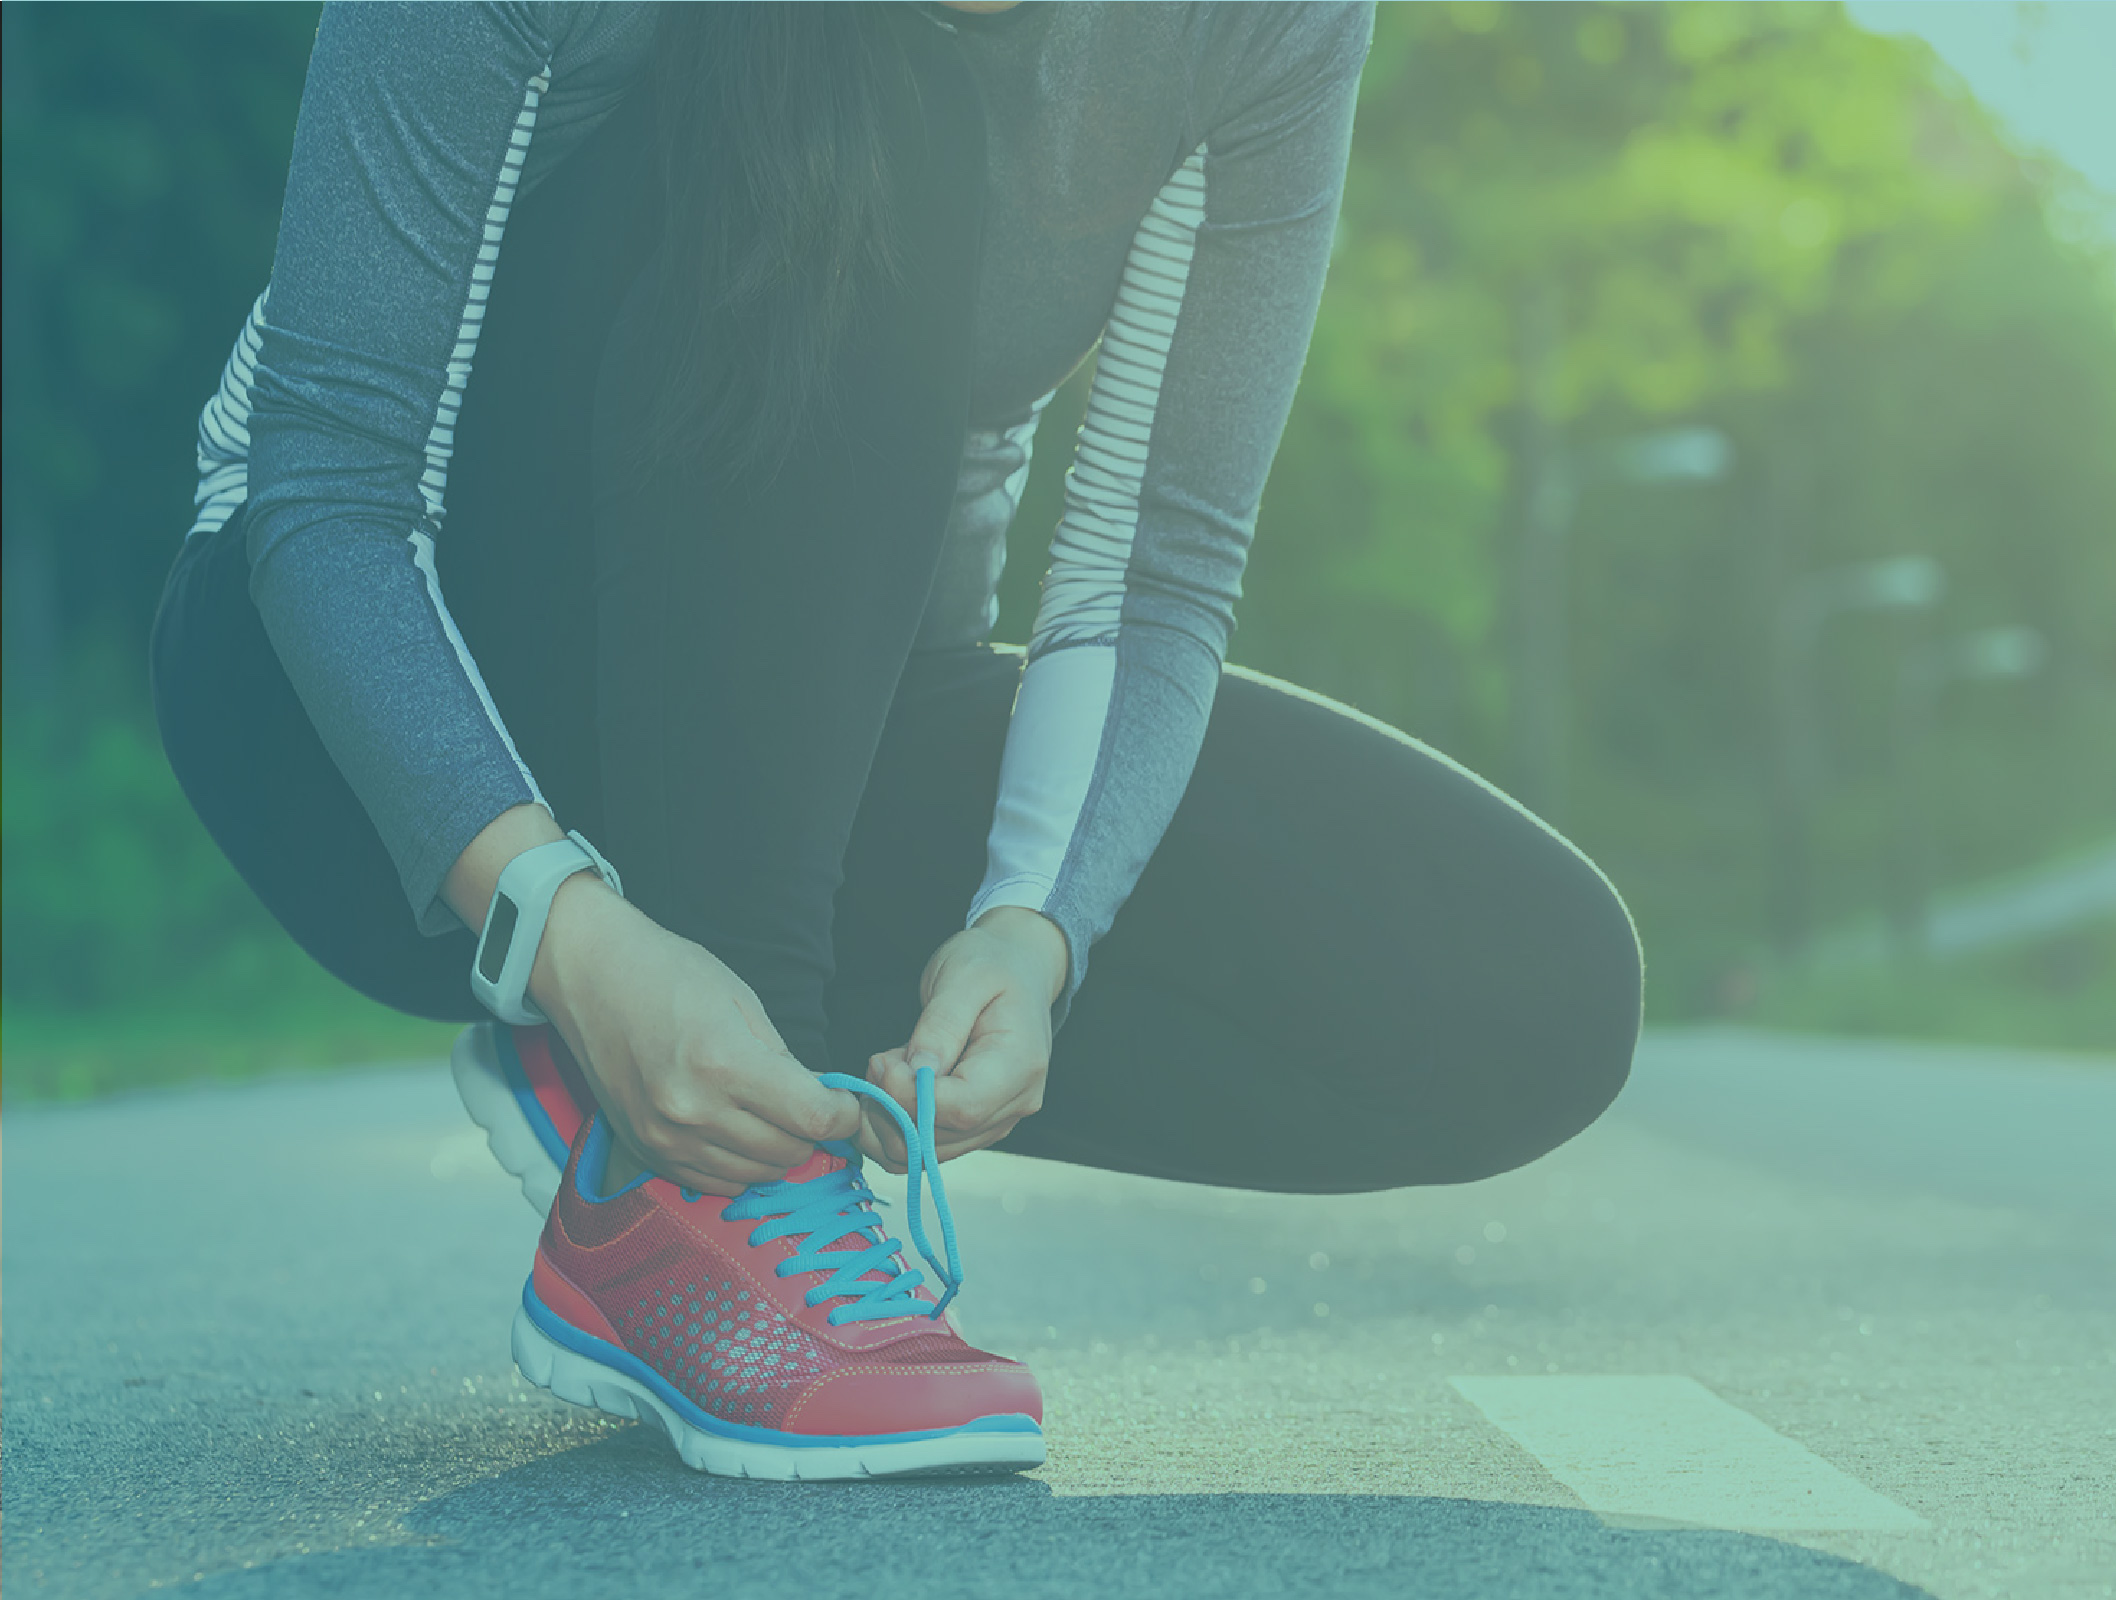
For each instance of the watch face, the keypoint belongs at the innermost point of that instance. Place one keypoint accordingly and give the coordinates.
(499, 934)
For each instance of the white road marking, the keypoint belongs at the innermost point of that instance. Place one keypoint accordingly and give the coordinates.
(1665, 1449)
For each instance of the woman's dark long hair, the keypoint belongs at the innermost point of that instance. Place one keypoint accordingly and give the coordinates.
(771, 126)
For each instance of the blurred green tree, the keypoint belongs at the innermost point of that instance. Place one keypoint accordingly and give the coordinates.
(1568, 222)
(145, 150)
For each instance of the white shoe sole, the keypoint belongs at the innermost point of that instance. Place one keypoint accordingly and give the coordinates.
(490, 1100)
(587, 1382)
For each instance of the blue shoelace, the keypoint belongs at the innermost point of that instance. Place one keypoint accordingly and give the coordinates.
(839, 1205)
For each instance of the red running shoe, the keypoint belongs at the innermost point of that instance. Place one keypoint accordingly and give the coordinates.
(776, 1335)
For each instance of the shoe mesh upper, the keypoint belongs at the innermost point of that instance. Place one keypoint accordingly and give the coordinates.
(676, 1306)
(735, 1357)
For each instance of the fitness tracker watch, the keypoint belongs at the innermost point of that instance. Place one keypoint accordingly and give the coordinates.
(514, 925)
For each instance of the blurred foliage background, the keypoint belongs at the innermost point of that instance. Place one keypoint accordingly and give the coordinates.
(1707, 435)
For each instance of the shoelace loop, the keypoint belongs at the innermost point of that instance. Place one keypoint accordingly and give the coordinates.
(839, 1205)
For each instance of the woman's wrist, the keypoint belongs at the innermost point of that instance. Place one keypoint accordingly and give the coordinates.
(574, 931)
(1039, 935)
(476, 875)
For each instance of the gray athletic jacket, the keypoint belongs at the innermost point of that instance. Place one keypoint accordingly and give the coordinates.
(1162, 178)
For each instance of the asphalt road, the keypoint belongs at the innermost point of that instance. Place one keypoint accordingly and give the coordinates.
(256, 1345)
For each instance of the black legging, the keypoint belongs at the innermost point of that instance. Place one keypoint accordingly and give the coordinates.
(1350, 965)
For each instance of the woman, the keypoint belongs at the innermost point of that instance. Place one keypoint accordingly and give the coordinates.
(694, 354)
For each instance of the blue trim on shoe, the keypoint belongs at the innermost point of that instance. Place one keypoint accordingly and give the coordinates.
(594, 1165)
(532, 1108)
(620, 1360)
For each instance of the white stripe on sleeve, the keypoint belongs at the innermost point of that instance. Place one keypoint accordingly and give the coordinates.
(1055, 737)
(440, 442)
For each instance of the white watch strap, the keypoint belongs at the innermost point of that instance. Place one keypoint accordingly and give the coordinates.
(514, 924)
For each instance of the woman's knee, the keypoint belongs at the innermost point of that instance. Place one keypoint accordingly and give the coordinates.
(1495, 1042)
(1594, 1026)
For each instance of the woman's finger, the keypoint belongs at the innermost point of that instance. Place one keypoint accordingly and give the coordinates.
(747, 1137)
(887, 1070)
(950, 1150)
(1000, 1091)
(996, 1072)
(881, 1133)
(900, 1083)
(953, 1141)
(869, 1144)
(777, 1088)
(945, 1025)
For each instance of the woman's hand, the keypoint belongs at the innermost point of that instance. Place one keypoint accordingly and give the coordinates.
(697, 1083)
(985, 1030)
(695, 1080)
